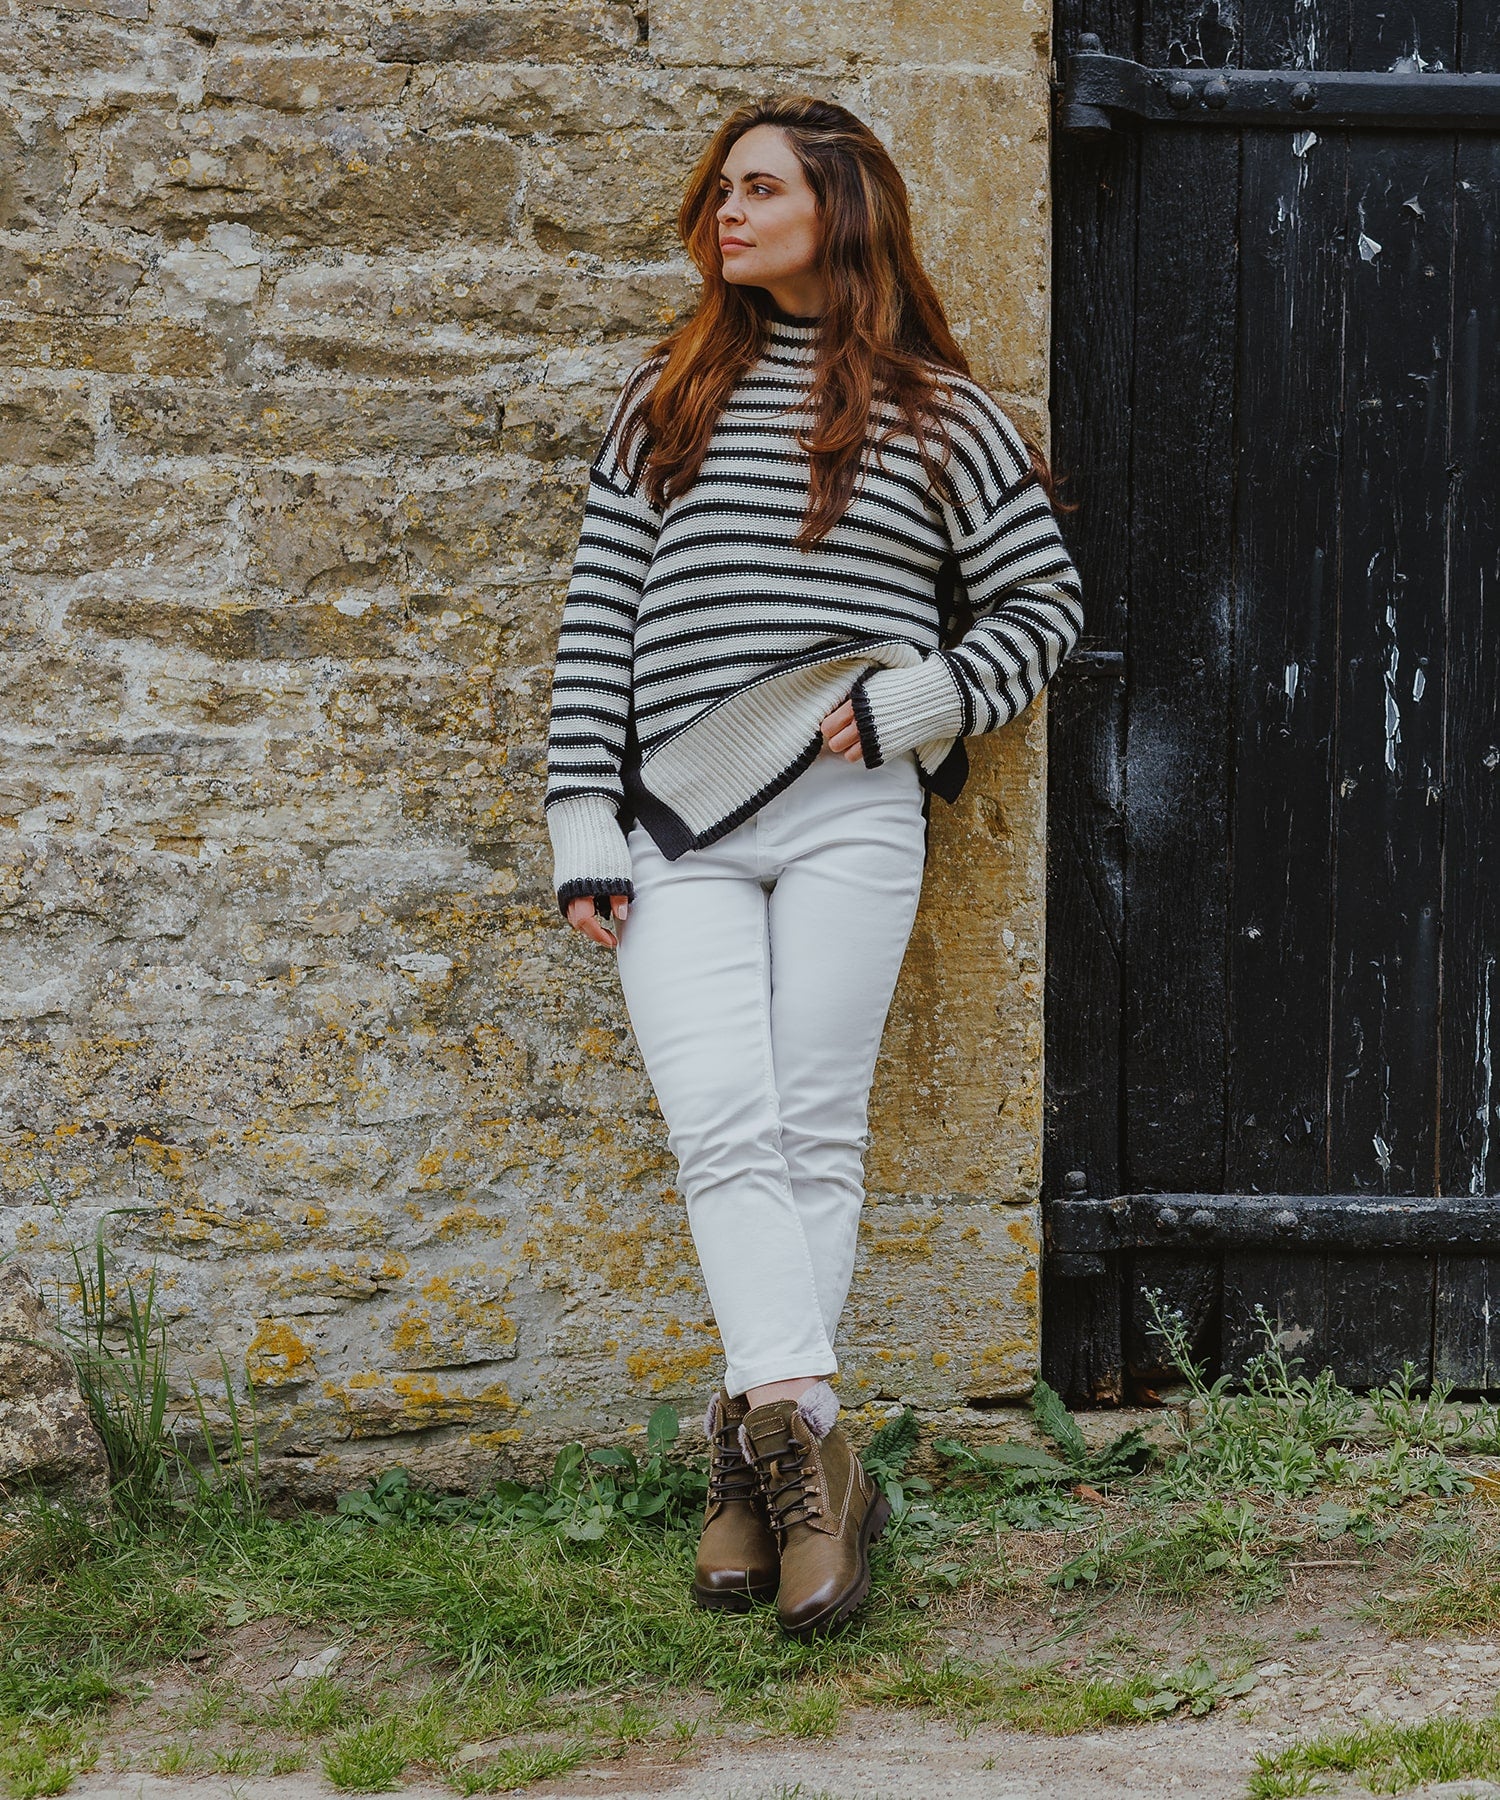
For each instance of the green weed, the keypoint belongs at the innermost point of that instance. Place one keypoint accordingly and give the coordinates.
(515, 1768)
(367, 1759)
(1387, 1758)
(589, 1493)
(1278, 1433)
(1029, 1488)
(42, 1756)
(1043, 1699)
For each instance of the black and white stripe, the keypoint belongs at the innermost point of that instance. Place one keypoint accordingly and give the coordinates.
(700, 646)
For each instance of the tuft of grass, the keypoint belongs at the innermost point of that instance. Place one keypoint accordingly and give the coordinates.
(1387, 1758)
(589, 1495)
(321, 1706)
(367, 1759)
(1278, 1433)
(1284, 1784)
(176, 1759)
(1045, 1699)
(241, 1759)
(515, 1768)
(1462, 1597)
(42, 1756)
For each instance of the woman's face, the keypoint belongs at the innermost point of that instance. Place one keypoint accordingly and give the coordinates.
(769, 233)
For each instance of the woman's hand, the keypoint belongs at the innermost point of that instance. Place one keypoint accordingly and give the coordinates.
(841, 732)
(582, 917)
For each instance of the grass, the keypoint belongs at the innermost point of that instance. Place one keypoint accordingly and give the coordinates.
(503, 1638)
(1046, 1699)
(1388, 1759)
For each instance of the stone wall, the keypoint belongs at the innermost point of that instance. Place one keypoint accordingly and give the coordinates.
(311, 314)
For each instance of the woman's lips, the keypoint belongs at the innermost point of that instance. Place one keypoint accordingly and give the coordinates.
(734, 244)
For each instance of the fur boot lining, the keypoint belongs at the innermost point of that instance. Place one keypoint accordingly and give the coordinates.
(820, 1407)
(711, 1418)
(747, 1449)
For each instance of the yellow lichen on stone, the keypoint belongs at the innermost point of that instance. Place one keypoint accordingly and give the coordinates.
(276, 1356)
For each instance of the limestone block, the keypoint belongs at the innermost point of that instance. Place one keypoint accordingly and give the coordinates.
(292, 82)
(94, 57)
(193, 280)
(113, 9)
(617, 197)
(78, 279)
(345, 21)
(827, 33)
(47, 1439)
(506, 30)
(305, 528)
(330, 178)
(34, 170)
(50, 692)
(45, 422)
(107, 524)
(944, 1302)
(504, 295)
(974, 150)
(568, 99)
(115, 349)
(270, 421)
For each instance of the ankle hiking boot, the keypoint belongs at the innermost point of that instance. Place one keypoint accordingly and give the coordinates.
(738, 1559)
(825, 1508)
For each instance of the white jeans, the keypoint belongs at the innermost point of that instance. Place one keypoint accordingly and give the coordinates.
(758, 973)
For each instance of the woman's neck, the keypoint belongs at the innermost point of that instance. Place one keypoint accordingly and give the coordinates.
(783, 317)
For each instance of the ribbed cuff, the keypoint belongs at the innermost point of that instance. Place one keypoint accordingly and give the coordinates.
(897, 709)
(589, 851)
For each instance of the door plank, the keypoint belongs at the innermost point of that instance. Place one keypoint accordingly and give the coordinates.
(1393, 645)
(1287, 560)
(1469, 1106)
(1290, 1286)
(1466, 1334)
(1094, 233)
(1379, 1316)
(1180, 574)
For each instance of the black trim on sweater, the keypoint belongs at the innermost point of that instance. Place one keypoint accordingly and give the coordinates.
(673, 836)
(601, 890)
(869, 737)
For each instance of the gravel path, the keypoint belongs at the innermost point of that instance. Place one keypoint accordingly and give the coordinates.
(1303, 1688)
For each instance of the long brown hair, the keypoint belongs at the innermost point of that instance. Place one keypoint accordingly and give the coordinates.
(885, 334)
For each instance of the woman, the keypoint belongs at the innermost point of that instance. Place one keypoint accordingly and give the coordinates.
(751, 703)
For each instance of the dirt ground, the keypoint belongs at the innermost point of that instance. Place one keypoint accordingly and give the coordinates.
(1317, 1666)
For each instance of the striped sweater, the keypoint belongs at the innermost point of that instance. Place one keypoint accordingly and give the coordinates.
(700, 647)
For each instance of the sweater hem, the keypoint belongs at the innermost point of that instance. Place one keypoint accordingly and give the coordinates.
(864, 718)
(673, 836)
(601, 890)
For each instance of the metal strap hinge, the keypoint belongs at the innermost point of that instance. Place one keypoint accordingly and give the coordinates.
(1100, 92)
(1077, 1225)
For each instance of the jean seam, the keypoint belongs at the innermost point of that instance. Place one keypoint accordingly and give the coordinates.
(768, 1074)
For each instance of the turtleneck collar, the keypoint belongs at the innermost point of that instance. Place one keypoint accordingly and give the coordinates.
(774, 312)
(792, 338)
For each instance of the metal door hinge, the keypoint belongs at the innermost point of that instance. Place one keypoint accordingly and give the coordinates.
(1077, 1225)
(1100, 92)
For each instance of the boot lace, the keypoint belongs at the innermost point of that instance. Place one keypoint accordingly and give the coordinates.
(790, 1497)
(730, 1477)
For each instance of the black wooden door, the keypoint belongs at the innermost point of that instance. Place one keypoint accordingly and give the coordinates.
(1274, 780)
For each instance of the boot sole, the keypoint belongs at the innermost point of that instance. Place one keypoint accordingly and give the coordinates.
(834, 1615)
(732, 1599)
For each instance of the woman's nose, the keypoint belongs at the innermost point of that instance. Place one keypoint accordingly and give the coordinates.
(729, 209)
